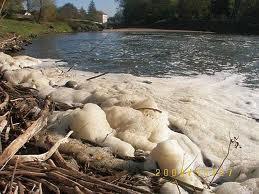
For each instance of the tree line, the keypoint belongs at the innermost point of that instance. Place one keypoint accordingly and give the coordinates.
(47, 10)
(139, 12)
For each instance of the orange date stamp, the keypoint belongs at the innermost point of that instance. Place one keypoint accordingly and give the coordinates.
(189, 172)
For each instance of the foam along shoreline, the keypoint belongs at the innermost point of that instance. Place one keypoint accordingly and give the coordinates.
(117, 113)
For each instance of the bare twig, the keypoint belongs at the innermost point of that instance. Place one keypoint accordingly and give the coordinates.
(178, 187)
(156, 110)
(94, 77)
(231, 141)
(12, 179)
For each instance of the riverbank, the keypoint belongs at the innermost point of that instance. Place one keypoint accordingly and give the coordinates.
(14, 34)
(154, 30)
(178, 122)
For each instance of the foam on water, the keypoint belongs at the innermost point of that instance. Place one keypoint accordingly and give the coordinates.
(208, 110)
(205, 108)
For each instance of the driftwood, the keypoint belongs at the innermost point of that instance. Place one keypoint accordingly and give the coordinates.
(42, 157)
(11, 150)
(6, 100)
(87, 154)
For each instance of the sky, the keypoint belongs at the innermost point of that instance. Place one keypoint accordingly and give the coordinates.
(107, 6)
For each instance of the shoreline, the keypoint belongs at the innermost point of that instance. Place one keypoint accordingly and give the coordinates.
(154, 30)
(200, 113)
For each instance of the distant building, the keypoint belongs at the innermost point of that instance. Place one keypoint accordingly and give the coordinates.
(104, 18)
(27, 13)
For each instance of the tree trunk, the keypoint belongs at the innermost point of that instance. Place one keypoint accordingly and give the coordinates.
(40, 12)
(2, 7)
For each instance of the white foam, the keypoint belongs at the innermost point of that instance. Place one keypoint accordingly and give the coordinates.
(205, 108)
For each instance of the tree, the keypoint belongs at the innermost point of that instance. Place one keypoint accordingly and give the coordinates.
(49, 10)
(249, 11)
(82, 13)
(92, 8)
(11, 7)
(68, 11)
(92, 12)
(43, 10)
(221, 8)
(2, 4)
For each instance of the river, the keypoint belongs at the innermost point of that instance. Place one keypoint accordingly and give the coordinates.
(157, 54)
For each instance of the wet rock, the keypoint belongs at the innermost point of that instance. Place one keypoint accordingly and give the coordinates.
(71, 84)
(147, 82)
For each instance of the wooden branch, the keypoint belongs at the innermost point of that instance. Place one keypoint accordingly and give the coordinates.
(6, 100)
(25, 173)
(104, 184)
(87, 154)
(49, 185)
(13, 148)
(60, 178)
(45, 156)
(61, 162)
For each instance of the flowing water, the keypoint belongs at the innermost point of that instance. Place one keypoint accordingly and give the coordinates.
(157, 54)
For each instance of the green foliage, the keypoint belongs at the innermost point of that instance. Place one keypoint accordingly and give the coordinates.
(152, 11)
(91, 8)
(27, 29)
(68, 11)
(93, 14)
(49, 10)
(13, 7)
(83, 26)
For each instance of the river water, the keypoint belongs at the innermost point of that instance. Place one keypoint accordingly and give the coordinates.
(158, 54)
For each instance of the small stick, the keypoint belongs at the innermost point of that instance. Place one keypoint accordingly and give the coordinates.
(96, 76)
(15, 167)
(150, 109)
(21, 187)
(223, 161)
(176, 182)
(50, 186)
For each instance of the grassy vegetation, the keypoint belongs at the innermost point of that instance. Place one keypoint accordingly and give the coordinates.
(29, 29)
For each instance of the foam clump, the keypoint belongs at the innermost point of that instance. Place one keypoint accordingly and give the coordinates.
(247, 187)
(90, 124)
(144, 129)
(170, 188)
(26, 77)
(172, 160)
(17, 62)
(69, 96)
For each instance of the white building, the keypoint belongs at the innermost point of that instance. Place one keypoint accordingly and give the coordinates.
(104, 18)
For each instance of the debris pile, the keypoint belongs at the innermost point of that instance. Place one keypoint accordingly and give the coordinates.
(26, 165)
